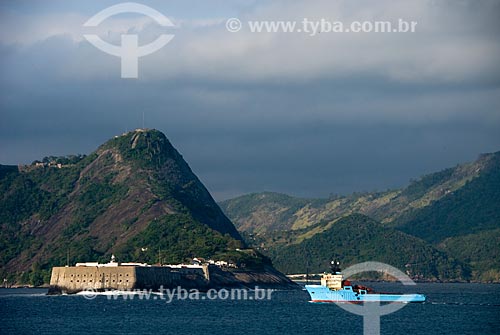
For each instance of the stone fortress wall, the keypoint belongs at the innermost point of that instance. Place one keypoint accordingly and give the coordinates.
(73, 279)
(130, 276)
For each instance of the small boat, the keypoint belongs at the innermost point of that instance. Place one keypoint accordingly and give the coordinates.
(335, 289)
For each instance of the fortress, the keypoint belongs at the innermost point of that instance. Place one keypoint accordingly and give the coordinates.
(126, 276)
(129, 276)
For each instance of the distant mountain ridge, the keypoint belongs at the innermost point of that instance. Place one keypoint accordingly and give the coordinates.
(460, 203)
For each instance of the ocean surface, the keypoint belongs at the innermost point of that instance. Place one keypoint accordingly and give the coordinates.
(450, 309)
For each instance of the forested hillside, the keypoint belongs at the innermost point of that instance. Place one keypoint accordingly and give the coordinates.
(459, 205)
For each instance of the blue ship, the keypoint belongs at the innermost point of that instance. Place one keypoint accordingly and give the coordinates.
(335, 289)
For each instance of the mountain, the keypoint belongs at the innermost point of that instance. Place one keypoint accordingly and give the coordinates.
(262, 212)
(357, 238)
(481, 251)
(472, 208)
(135, 196)
(456, 205)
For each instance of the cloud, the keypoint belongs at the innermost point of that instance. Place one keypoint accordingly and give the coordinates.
(452, 44)
(290, 112)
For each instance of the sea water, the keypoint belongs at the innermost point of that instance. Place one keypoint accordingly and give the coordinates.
(450, 309)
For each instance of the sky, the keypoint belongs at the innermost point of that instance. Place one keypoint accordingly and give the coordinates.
(310, 116)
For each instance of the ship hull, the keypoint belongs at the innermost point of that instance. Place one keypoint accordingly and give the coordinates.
(323, 294)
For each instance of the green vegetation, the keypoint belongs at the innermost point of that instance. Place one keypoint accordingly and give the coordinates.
(134, 192)
(456, 205)
(64, 160)
(357, 238)
(480, 250)
(473, 208)
(36, 195)
(178, 238)
(170, 177)
(93, 200)
(145, 149)
(274, 211)
(419, 188)
(20, 198)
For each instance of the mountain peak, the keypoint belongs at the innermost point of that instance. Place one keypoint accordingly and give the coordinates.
(147, 145)
(135, 191)
(150, 152)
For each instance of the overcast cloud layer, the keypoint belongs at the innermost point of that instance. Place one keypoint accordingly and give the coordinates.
(305, 115)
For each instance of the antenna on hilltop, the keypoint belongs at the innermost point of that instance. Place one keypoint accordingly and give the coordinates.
(142, 119)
